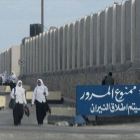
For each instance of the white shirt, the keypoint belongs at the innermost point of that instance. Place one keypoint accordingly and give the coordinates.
(3, 79)
(19, 95)
(39, 94)
(13, 79)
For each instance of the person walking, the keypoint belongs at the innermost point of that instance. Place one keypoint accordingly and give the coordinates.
(18, 93)
(3, 79)
(39, 98)
(108, 80)
(13, 80)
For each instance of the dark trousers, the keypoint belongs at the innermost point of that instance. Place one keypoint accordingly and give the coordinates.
(18, 113)
(5, 84)
(40, 112)
(12, 85)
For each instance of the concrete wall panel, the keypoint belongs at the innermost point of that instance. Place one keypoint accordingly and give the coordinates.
(102, 34)
(37, 53)
(56, 49)
(48, 44)
(47, 51)
(81, 41)
(40, 52)
(63, 50)
(86, 42)
(61, 46)
(118, 34)
(31, 55)
(15, 53)
(137, 47)
(43, 52)
(69, 46)
(94, 39)
(110, 19)
(76, 43)
(51, 51)
(28, 56)
(128, 31)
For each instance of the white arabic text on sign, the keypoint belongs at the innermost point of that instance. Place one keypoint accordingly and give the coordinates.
(118, 95)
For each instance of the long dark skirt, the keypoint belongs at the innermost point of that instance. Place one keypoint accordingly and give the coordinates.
(18, 113)
(40, 112)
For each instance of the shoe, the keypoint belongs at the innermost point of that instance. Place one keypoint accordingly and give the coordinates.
(1, 108)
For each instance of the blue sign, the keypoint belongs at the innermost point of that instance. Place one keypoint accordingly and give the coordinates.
(108, 100)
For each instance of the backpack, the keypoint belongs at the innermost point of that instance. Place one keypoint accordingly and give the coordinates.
(12, 101)
(103, 82)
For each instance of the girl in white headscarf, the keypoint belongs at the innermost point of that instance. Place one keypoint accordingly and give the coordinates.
(18, 93)
(39, 97)
(13, 77)
(13, 80)
(4, 78)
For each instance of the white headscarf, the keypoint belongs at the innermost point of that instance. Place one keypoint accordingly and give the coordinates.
(13, 77)
(3, 78)
(17, 86)
(13, 74)
(42, 84)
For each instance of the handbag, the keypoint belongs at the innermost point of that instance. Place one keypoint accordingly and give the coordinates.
(27, 111)
(12, 101)
(48, 109)
(103, 82)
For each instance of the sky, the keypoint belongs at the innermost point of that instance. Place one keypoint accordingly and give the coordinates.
(17, 15)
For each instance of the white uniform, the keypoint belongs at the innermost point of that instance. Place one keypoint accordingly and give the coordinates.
(13, 77)
(3, 79)
(39, 93)
(19, 95)
(41, 104)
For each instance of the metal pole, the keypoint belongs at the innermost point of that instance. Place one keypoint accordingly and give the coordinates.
(42, 15)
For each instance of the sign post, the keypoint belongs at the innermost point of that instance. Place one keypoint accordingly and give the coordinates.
(21, 62)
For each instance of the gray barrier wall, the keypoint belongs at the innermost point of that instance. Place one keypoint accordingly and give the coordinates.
(107, 40)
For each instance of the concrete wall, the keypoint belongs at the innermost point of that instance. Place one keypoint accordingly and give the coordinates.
(15, 56)
(105, 40)
(137, 46)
